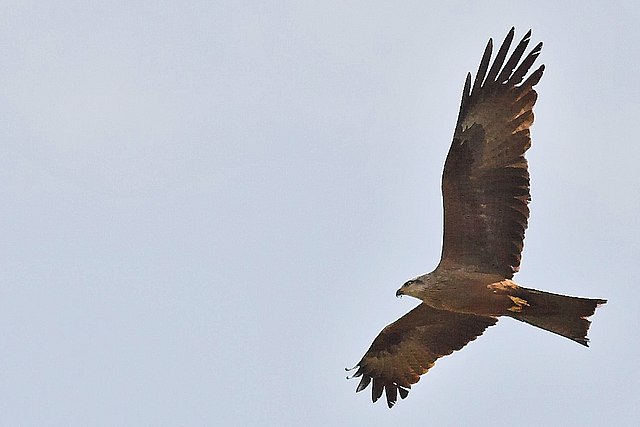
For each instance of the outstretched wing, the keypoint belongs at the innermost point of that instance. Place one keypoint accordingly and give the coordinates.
(408, 347)
(485, 183)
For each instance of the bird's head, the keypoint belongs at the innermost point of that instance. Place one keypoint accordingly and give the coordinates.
(413, 287)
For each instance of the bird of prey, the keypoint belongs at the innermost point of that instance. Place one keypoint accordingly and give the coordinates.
(485, 189)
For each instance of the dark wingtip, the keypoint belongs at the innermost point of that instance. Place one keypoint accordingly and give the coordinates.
(392, 394)
(364, 382)
(403, 392)
(392, 397)
(483, 67)
(376, 389)
(536, 50)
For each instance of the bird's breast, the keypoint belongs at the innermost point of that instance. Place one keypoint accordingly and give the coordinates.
(480, 294)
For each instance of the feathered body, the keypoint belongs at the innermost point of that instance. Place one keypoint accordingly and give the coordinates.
(485, 188)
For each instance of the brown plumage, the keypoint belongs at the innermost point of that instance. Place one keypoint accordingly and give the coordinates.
(408, 347)
(485, 184)
(485, 188)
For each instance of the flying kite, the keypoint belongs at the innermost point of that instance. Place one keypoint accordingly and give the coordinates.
(485, 190)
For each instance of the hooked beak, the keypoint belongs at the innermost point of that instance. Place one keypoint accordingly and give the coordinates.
(399, 292)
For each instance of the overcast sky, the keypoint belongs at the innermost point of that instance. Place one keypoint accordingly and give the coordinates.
(206, 208)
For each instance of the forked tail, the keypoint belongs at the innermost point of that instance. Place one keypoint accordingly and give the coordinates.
(560, 314)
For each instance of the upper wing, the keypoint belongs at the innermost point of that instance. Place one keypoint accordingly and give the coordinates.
(485, 183)
(408, 347)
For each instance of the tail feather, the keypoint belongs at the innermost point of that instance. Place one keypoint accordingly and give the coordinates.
(560, 314)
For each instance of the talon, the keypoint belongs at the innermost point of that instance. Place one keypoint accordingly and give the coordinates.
(519, 304)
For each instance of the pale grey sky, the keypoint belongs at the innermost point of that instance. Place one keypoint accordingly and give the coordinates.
(206, 209)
